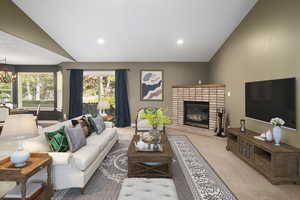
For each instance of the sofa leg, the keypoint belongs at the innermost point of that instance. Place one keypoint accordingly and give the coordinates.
(82, 190)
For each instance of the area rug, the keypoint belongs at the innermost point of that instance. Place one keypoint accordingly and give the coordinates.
(193, 176)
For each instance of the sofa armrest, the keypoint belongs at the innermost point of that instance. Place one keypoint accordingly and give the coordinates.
(61, 158)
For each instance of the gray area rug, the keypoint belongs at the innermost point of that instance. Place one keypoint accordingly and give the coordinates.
(193, 176)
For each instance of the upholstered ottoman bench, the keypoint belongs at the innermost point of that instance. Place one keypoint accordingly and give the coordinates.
(148, 189)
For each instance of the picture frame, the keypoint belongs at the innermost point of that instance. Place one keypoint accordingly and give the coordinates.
(151, 85)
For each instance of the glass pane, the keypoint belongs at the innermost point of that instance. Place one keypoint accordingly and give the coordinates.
(98, 86)
(35, 89)
(59, 91)
(5, 87)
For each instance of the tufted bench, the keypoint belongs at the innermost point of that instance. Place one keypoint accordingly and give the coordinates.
(148, 189)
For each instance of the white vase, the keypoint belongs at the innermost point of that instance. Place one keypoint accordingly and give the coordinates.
(277, 133)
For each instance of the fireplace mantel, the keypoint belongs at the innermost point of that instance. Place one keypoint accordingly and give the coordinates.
(214, 94)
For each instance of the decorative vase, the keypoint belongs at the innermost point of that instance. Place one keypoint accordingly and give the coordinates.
(155, 133)
(277, 133)
(269, 136)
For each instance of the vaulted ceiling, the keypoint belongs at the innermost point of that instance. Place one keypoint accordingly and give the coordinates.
(20, 52)
(138, 30)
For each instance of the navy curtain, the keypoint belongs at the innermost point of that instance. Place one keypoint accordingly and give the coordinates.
(76, 88)
(122, 106)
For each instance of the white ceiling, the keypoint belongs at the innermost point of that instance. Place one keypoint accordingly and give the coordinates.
(18, 51)
(138, 30)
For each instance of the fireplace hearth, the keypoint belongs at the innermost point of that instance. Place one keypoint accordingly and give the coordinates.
(196, 113)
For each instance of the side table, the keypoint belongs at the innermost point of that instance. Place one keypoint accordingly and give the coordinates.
(36, 162)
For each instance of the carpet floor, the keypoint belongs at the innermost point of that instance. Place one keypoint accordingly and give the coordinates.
(193, 176)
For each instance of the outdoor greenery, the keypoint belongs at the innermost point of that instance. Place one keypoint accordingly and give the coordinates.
(97, 88)
(37, 88)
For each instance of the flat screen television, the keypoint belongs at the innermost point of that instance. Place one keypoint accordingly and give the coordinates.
(273, 98)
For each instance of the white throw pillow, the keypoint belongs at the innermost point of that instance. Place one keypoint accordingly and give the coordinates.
(76, 138)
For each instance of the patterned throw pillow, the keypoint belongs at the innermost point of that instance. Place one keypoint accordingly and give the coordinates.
(76, 138)
(98, 124)
(57, 140)
(84, 124)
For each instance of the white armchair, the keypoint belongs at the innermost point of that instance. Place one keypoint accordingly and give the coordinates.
(141, 124)
(4, 112)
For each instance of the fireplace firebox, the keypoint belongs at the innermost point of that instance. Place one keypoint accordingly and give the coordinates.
(196, 113)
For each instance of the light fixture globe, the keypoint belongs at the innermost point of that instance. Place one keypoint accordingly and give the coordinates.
(100, 41)
(180, 42)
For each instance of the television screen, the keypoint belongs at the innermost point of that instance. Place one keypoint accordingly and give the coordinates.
(274, 98)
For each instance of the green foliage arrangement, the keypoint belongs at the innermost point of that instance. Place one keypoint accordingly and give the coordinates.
(155, 117)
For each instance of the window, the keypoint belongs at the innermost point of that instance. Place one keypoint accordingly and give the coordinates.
(98, 86)
(5, 87)
(36, 89)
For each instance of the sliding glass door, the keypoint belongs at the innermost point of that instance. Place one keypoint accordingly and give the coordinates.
(99, 86)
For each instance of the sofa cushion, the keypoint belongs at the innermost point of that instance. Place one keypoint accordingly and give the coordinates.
(60, 158)
(85, 156)
(103, 139)
(76, 138)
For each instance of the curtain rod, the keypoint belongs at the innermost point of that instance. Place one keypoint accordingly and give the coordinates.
(97, 69)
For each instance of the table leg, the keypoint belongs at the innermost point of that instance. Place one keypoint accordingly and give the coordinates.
(23, 190)
(49, 181)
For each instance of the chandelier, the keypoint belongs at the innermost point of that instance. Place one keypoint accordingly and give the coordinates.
(5, 77)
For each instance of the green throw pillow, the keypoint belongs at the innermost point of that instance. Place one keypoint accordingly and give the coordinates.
(57, 140)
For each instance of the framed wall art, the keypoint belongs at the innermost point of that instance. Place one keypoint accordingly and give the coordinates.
(152, 85)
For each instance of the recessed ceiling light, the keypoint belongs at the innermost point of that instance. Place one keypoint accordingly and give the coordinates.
(100, 41)
(180, 42)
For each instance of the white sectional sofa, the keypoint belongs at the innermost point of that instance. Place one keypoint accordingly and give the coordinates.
(74, 170)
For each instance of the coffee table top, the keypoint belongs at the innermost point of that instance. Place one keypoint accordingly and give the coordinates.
(166, 153)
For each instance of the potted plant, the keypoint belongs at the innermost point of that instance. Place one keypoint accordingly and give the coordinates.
(155, 118)
(277, 131)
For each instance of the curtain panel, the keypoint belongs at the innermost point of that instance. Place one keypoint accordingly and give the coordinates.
(122, 105)
(76, 92)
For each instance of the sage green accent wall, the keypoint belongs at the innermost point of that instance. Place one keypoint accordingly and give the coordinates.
(15, 22)
(175, 73)
(264, 46)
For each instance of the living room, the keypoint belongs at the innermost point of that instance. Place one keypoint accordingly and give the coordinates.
(61, 60)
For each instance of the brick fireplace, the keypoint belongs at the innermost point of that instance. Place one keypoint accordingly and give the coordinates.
(197, 105)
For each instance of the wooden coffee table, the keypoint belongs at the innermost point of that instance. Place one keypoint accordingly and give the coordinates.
(138, 161)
